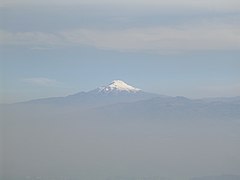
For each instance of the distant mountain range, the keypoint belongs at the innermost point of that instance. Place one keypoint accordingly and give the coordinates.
(120, 97)
(119, 91)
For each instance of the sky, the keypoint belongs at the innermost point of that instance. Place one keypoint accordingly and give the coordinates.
(177, 47)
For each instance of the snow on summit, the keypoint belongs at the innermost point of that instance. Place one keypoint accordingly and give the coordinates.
(118, 86)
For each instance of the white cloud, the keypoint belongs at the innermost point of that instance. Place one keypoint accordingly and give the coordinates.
(155, 39)
(41, 81)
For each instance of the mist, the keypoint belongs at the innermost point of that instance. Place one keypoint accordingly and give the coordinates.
(116, 142)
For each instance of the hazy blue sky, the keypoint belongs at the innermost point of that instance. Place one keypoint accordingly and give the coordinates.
(179, 47)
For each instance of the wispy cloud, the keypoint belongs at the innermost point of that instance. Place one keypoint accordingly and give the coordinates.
(30, 38)
(157, 39)
(41, 81)
(182, 38)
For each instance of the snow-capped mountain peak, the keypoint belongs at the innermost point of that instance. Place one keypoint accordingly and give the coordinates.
(118, 86)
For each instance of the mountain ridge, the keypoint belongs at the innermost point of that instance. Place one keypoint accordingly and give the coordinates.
(120, 92)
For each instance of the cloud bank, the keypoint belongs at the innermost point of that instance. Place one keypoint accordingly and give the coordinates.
(150, 39)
